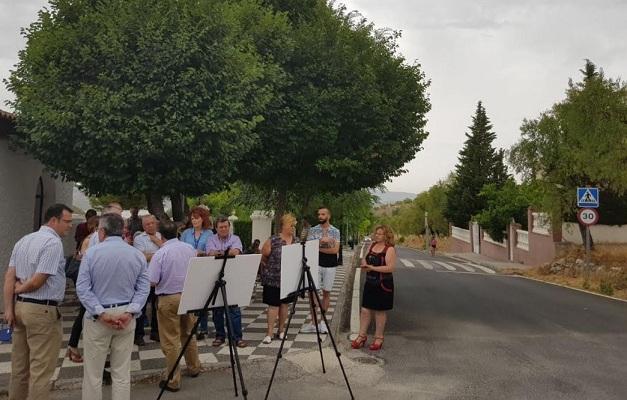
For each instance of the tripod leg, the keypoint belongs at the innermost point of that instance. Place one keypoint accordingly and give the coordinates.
(312, 290)
(287, 329)
(326, 322)
(232, 345)
(178, 359)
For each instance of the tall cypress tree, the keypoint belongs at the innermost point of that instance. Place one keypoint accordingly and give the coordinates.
(479, 164)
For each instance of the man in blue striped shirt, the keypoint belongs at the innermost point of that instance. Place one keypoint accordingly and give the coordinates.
(36, 274)
(113, 286)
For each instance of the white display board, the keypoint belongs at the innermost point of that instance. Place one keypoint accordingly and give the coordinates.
(291, 265)
(202, 273)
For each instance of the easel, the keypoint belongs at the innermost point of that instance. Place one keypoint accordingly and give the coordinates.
(307, 285)
(219, 287)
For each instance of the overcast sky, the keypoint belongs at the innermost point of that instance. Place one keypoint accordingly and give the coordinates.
(515, 56)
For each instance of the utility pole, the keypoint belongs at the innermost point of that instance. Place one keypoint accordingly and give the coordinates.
(427, 231)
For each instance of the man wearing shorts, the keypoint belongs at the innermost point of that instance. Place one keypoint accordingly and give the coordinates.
(329, 237)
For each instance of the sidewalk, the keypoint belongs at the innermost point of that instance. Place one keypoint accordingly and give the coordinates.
(499, 266)
(149, 361)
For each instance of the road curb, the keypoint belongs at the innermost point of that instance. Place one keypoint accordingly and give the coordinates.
(567, 287)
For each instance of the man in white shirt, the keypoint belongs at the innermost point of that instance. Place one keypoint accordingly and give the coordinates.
(148, 242)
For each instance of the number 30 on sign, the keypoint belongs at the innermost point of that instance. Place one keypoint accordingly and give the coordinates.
(588, 216)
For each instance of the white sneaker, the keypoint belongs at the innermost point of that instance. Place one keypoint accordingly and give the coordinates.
(308, 328)
(267, 340)
(322, 328)
(280, 335)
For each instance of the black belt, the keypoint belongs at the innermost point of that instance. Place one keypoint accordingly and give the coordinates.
(167, 294)
(36, 301)
(116, 305)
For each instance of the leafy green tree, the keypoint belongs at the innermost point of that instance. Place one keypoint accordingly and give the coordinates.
(155, 98)
(351, 114)
(504, 204)
(479, 164)
(580, 141)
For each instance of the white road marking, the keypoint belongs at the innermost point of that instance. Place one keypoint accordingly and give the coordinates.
(481, 267)
(463, 266)
(407, 263)
(445, 265)
(425, 264)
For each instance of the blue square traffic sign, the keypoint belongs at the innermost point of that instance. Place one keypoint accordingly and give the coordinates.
(588, 197)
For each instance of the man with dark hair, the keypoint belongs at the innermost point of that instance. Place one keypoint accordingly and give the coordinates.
(216, 246)
(329, 247)
(112, 285)
(167, 270)
(134, 222)
(36, 274)
(82, 231)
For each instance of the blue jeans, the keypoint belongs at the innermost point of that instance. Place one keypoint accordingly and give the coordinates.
(204, 323)
(236, 320)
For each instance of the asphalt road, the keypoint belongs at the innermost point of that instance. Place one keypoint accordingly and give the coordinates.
(454, 334)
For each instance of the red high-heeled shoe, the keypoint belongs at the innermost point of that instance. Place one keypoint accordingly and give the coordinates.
(359, 342)
(377, 344)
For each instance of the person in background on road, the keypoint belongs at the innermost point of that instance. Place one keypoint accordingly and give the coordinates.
(167, 271)
(82, 230)
(148, 242)
(378, 294)
(329, 237)
(271, 276)
(112, 285)
(197, 236)
(433, 244)
(36, 275)
(216, 246)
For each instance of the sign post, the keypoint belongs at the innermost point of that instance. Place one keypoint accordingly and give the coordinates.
(588, 217)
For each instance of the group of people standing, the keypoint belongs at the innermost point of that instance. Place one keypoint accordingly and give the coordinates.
(120, 265)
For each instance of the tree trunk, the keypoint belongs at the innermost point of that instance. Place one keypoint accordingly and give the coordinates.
(281, 205)
(178, 212)
(155, 205)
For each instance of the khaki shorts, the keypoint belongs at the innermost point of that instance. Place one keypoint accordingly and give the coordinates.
(327, 277)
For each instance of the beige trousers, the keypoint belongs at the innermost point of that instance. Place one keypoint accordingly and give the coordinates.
(98, 339)
(174, 330)
(36, 343)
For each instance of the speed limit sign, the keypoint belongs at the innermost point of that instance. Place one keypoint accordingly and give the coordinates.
(588, 216)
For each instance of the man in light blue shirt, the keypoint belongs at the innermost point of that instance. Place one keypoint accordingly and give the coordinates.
(36, 274)
(167, 271)
(113, 285)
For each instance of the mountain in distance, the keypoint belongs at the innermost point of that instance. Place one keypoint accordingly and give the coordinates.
(392, 197)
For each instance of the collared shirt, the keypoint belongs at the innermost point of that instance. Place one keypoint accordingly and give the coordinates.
(200, 243)
(215, 243)
(318, 232)
(42, 252)
(142, 242)
(168, 266)
(113, 272)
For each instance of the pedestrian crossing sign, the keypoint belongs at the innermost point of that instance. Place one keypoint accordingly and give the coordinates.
(587, 197)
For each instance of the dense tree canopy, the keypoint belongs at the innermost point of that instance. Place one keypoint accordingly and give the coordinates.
(581, 140)
(129, 96)
(351, 114)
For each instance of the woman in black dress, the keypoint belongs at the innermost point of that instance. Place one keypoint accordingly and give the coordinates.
(378, 294)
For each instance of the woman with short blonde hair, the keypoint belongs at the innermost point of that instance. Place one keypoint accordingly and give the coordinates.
(271, 276)
(378, 293)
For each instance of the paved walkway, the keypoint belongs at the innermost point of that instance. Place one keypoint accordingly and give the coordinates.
(149, 359)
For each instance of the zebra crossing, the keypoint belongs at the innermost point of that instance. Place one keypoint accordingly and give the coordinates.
(446, 266)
